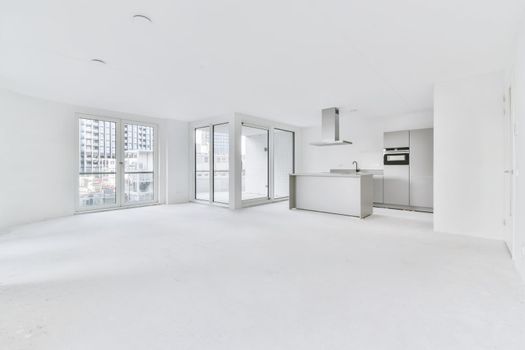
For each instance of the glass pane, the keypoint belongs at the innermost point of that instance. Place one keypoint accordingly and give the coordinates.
(139, 163)
(97, 146)
(283, 161)
(254, 153)
(138, 148)
(97, 190)
(97, 163)
(138, 187)
(202, 163)
(221, 163)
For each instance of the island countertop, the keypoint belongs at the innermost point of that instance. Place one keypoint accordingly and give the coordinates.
(338, 193)
(327, 174)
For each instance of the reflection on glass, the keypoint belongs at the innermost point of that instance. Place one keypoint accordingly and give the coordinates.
(138, 187)
(283, 142)
(221, 163)
(254, 153)
(97, 167)
(97, 190)
(202, 163)
(139, 157)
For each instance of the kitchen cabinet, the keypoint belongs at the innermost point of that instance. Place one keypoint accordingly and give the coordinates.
(396, 139)
(421, 168)
(378, 188)
(396, 185)
(338, 193)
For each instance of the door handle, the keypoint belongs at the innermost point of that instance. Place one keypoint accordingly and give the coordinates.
(511, 172)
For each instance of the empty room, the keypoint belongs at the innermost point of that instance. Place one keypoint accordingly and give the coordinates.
(262, 175)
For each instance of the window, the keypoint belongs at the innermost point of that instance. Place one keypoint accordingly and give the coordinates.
(138, 164)
(221, 163)
(202, 163)
(212, 149)
(97, 171)
(254, 157)
(283, 160)
(115, 171)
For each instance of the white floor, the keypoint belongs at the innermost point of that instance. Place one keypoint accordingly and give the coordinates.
(198, 277)
(224, 197)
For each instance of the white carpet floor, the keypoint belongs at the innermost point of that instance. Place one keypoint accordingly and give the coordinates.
(197, 277)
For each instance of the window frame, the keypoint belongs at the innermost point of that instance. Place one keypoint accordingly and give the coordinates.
(212, 164)
(210, 161)
(155, 164)
(119, 164)
(268, 196)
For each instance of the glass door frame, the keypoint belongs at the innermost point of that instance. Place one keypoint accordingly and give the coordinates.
(122, 164)
(211, 167)
(119, 164)
(212, 164)
(273, 158)
(269, 166)
(210, 160)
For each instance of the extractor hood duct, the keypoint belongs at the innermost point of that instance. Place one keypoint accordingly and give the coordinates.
(330, 129)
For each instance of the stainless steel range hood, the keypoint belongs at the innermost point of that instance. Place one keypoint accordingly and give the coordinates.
(330, 129)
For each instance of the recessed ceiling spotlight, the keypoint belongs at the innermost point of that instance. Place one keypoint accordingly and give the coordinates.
(142, 18)
(98, 60)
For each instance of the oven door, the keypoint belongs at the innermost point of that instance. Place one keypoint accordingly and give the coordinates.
(396, 159)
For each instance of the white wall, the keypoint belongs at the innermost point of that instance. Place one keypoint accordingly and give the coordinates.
(367, 136)
(38, 157)
(518, 97)
(468, 156)
(177, 158)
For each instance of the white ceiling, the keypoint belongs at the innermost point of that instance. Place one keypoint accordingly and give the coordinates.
(279, 59)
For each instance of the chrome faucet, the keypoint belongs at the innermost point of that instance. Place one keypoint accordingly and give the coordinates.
(356, 166)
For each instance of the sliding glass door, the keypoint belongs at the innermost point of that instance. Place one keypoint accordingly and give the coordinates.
(202, 163)
(283, 161)
(267, 158)
(117, 163)
(212, 163)
(255, 161)
(221, 163)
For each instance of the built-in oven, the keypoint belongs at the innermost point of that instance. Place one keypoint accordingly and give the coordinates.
(396, 156)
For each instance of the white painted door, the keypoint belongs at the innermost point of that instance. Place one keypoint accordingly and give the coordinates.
(508, 171)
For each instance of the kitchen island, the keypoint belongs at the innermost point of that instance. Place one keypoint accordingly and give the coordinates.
(345, 194)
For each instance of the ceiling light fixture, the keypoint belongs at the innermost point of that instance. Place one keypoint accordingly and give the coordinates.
(142, 18)
(98, 60)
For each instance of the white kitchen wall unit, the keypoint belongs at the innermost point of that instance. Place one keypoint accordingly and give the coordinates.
(422, 168)
(410, 186)
(396, 139)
